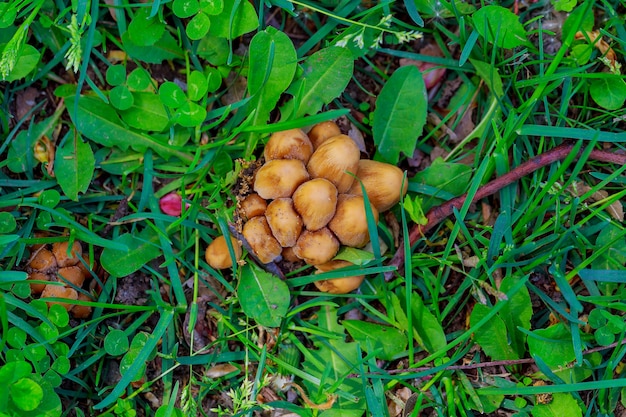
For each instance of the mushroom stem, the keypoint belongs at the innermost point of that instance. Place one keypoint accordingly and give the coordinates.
(271, 267)
(439, 213)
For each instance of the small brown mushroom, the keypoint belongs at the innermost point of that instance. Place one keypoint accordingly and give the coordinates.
(337, 285)
(382, 182)
(71, 274)
(350, 221)
(217, 254)
(288, 144)
(280, 178)
(43, 261)
(259, 236)
(60, 252)
(337, 160)
(253, 205)
(59, 291)
(323, 131)
(284, 221)
(316, 247)
(316, 201)
(37, 288)
(81, 311)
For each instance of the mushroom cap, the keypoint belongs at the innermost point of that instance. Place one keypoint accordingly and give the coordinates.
(257, 233)
(288, 144)
(43, 261)
(322, 131)
(80, 311)
(316, 247)
(59, 291)
(284, 221)
(252, 205)
(217, 254)
(37, 288)
(382, 182)
(316, 201)
(72, 274)
(337, 160)
(280, 178)
(350, 221)
(60, 251)
(337, 285)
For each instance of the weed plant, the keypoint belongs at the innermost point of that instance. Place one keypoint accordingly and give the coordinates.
(513, 305)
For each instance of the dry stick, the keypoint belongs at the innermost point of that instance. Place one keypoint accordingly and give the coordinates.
(439, 213)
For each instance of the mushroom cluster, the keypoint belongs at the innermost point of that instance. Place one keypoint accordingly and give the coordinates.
(62, 267)
(308, 201)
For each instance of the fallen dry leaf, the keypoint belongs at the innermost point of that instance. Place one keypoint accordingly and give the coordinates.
(615, 209)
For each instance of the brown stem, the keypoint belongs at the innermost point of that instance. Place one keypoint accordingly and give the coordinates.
(439, 213)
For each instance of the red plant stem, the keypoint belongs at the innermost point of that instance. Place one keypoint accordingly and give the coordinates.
(439, 213)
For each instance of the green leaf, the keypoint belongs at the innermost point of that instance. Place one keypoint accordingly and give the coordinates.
(517, 312)
(190, 114)
(116, 75)
(121, 98)
(273, 63)
(263, 296)
(58, 315)
(212, 7)
(165, 48)
(428, 331)
(231, 24)
(564, 5)
(147, 113)
(198, 26)
(172, 95)
(185, 8)
(500, 26)
(139, 80)
(447, 177)
(562, 404)
(7, 222)
(354, 255)
(553, 345)
(116, 342)
(141, 249)
(27, 60)
(612, 248)
(8, 13)
(74, 165)
(99, 122)
(144, 30)
(388, 341)
(197, 85)
(492, 336)
(400, 113)
(26, 394)
(325, 76)
(609, 91)
(490, 76)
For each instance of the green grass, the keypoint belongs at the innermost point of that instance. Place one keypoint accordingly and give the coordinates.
(514, 296)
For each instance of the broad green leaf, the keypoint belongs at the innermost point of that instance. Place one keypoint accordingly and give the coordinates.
(147, 113)
(273, 63)
(562, 404)
(390, 341)
(609, 91)
(116, 342)
(325, 76)
(165, 48)
(212, 7)
(198, 26)
(612, 248)
(428, 331)
(490, 76)
(27, 60)
(8, 13)
(334, 358)
(215, 50)
(553, 345)
(492, 336)
(116, 75)
(400, 113)
(20, 157)
(139, 80)
(500, 26)
(517, 312)
(141, 249)
(172, 95)
(26, 394)
(231, 25)
(354, 255)
(74, 166)
(437, 9)
(197, 85)
(99, 122)
(144, 30)
(121, 98)
(564, 5)
(190, 114)
(447, 177)
(263, 296)
(7, 222)
(185, 8)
